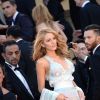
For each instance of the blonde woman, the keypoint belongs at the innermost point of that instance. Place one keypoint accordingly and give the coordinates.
(44, 19)
(52, 64)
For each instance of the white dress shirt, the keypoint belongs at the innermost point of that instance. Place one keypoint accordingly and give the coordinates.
(85, 3)
(95, 48)
(14, 17)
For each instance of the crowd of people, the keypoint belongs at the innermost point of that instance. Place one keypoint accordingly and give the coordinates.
(39, 57)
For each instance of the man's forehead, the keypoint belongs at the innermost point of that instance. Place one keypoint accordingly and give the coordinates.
(89, 32)
(10, 47)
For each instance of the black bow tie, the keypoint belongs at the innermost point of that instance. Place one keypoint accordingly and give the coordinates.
(17, 68)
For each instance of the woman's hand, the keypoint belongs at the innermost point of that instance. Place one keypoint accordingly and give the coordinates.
(81, 95)
(61, 97)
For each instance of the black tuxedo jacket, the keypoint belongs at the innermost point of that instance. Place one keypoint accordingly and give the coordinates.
(93, 64)
(81, 75)
(26, 26)
(28, 65)
(89, 14)
(26, 55)
(14, 84)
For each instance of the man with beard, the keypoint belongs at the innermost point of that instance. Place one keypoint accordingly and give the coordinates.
(92, 40)
(16, 80)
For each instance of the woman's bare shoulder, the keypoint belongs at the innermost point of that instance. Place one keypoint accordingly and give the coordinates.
(42, 62)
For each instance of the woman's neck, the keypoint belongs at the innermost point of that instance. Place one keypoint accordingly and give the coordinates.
(52, 54)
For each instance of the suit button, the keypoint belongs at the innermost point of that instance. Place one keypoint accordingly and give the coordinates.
(90, 68)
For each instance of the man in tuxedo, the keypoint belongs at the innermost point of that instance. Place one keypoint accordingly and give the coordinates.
(92, 40)
(89, 13)
(26, 62)
(16, 81)
(13, 17)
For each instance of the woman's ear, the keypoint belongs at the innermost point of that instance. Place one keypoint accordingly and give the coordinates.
(43, 45)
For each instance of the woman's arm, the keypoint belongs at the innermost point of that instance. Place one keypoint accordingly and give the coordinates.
(41, 69)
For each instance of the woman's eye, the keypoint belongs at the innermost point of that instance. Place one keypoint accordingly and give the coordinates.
(48, 40)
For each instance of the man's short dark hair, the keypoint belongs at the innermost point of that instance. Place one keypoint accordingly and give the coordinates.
(94, 27)
(14, 31)
(12, 2)
(9, 43)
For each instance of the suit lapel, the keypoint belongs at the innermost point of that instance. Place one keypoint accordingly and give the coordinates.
(97, 49)
(16, 19)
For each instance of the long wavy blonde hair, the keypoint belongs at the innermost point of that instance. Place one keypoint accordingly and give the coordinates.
(40, 13)
(40, 51)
